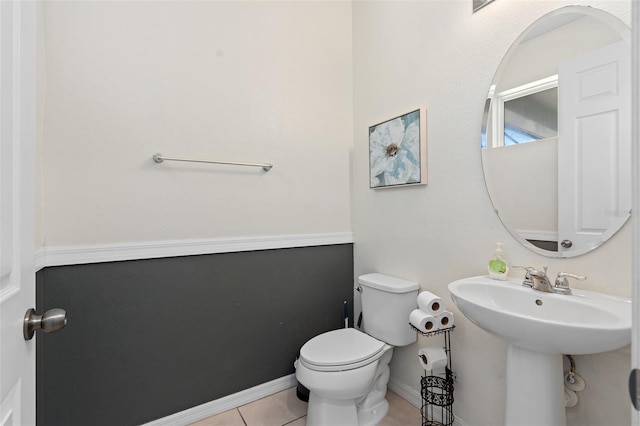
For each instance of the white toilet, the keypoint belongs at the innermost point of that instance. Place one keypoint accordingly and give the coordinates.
(346, 370)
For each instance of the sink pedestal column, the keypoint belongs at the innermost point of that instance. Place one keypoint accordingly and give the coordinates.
(535, 388)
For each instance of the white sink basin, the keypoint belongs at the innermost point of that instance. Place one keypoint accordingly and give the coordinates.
(581, 323)
(539, 327)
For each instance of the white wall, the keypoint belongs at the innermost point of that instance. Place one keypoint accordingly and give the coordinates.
(236, 81)
(439, 55)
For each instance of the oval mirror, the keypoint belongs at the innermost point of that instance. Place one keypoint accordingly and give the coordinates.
(556, 136)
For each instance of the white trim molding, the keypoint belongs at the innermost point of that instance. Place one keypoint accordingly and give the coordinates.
(77, 255)
(221, 405)
(40, 261)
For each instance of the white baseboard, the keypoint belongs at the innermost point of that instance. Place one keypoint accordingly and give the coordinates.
(77, 255)
(227, 403)
(415, 398)
(246, 396)
(407, 393)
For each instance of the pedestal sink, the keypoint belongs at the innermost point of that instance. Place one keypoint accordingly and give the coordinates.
(539, 328)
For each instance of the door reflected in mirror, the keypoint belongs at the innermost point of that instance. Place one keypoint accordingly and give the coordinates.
(556, 137)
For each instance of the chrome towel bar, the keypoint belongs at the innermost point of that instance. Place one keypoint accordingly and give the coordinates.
(159, 158)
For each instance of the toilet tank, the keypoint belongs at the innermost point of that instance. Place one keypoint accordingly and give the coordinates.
(387, 303)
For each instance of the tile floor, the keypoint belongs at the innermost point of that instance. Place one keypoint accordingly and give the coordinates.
(284, 408)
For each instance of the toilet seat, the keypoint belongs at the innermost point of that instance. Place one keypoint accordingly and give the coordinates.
(343, 349)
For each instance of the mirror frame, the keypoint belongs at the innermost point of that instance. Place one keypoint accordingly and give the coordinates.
(489, 113)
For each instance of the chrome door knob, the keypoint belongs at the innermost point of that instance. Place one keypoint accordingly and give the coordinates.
(52, 320)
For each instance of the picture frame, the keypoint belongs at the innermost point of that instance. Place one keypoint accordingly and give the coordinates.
(479, 4)
(398, 151)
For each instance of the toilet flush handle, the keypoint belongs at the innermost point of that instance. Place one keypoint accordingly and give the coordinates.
(359, 289)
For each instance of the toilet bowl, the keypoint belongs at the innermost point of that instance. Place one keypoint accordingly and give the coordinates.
(346, 370)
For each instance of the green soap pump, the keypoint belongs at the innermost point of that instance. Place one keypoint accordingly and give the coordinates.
(498, 268)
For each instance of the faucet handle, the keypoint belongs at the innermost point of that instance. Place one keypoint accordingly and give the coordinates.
(562, 277)
(527, 275)
(562, 283)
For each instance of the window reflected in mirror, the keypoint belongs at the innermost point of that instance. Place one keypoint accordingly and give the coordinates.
(531, 118)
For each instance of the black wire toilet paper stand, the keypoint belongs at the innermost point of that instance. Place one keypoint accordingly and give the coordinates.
(437, 391)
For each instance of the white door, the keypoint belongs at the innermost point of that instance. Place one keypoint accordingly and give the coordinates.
(594, 145)
(17, 218)
(635, 335)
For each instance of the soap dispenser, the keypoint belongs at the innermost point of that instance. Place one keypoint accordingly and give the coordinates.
(498, 268)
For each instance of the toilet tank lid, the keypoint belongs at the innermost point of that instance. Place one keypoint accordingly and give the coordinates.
(387, 283)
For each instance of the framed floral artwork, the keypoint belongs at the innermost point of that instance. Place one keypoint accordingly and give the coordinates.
(398, 151)
(479, 4)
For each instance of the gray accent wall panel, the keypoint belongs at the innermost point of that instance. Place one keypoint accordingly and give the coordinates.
(149, 338)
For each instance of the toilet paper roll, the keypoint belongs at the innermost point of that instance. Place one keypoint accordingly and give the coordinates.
(422, 321)
(430, 303)
(432, 358)
(444, 320)
(570, 398)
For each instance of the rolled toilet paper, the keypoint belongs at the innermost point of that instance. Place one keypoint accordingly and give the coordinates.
(422, 321)
(432, 358)
(444, 320)
(430, 303)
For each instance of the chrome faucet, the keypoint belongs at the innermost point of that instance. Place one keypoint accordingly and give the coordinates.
(535, 279)
(538, 280)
